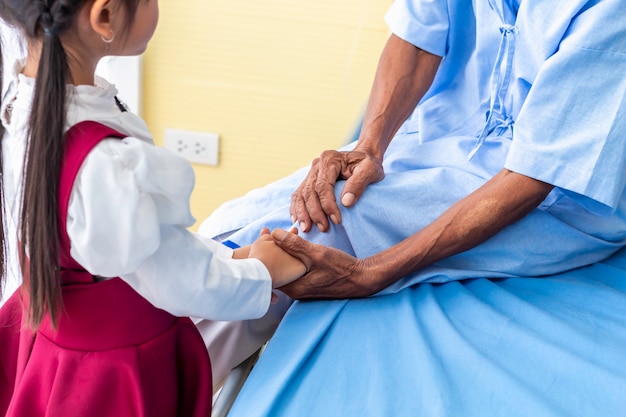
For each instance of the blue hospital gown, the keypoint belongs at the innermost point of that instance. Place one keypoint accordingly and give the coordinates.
(534, 86)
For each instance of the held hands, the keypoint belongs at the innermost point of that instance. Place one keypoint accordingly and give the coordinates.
(282, 267)
(331, 272)
(314, 202)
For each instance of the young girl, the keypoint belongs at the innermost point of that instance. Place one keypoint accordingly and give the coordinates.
(87, 198)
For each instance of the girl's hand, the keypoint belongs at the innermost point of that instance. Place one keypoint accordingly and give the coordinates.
(282, 267)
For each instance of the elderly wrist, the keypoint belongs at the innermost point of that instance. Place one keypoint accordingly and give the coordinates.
(373, 277)
(370, 146)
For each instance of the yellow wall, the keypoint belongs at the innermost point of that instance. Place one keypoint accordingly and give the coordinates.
(278, 80)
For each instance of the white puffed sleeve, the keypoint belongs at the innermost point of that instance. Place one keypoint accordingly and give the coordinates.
(128, 216)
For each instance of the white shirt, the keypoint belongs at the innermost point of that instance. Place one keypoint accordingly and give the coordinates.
(129, 213)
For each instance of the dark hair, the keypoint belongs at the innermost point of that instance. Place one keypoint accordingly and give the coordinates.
(43, 20)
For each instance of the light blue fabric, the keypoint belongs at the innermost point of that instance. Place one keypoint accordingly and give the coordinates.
(515, 347)
(537, 87)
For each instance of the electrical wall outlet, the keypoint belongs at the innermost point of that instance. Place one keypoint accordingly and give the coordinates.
(197, 147)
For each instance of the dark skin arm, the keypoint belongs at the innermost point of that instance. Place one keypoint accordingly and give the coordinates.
(404, 74)
(502, 201)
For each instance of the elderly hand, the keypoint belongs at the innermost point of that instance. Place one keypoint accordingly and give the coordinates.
(331, 273)
(314, 202)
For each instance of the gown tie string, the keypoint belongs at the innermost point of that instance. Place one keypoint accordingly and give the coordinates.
(499, 85)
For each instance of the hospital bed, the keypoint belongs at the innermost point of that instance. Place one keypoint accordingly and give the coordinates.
(225, 397)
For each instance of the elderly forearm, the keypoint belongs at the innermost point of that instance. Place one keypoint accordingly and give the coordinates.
(404, 74)
(503, 200)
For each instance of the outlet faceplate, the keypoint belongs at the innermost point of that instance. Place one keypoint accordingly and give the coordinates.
(197, 147)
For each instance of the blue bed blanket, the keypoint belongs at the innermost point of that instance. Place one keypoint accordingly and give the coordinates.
(550, 346)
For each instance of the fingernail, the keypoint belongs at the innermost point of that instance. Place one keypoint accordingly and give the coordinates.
(320, 226)
(293, 219)
(348, 199)
(279, 234)
(302, 226)
(334, 219)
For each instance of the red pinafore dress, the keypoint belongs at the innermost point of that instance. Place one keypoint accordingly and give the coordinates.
(114, 354)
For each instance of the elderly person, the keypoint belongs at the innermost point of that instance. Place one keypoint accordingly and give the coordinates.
(492, 153)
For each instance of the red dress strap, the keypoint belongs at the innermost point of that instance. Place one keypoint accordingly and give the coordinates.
(80, 139)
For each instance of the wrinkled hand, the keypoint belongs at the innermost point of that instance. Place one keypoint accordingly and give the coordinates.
(331, 273)
(314, 201)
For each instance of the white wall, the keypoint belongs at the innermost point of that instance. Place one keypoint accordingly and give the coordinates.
(125, 73)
